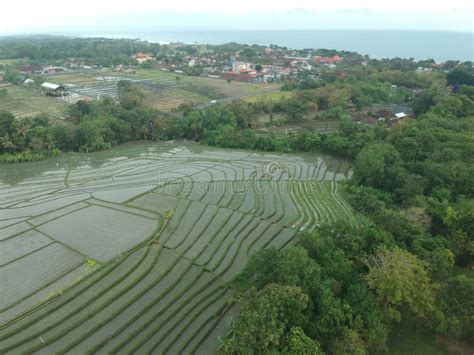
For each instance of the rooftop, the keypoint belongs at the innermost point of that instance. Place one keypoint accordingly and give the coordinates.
(50, 86)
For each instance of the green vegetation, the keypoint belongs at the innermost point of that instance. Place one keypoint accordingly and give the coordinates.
(311, 272)
(91, 262)
(169, 214)
(272, 320)
(414, 182)
(25, 102)
(99, 51)
(411, 337)
(96, 125)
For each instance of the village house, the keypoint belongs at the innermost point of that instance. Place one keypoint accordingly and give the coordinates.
(328, 60)
(53, 70)
(141, 57)
(55, 90)
(268, 50)
(31, 69)
(238, 66)
(424, 70)
(282, 72)
(301, 63)
(393, 114)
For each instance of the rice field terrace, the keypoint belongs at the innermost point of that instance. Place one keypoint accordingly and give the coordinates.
(131, 250)
(163, 90)
(28, 102)
(322, 127)
(9, 61)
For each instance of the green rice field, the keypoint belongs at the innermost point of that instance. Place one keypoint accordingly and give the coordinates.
(131, 250)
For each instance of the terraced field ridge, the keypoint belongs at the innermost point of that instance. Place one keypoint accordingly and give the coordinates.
(164, 91)
(131, 250)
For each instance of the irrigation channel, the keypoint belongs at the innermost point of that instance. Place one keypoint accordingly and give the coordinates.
(131, 250)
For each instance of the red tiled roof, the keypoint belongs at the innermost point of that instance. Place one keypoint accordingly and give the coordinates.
(328, 60)
(142, 55)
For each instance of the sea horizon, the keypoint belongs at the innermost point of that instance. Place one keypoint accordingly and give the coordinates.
(378, 44)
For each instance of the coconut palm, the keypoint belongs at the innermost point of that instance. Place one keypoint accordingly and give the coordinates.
(7, 143)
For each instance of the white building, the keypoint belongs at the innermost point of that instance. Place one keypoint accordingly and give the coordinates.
(238, 66)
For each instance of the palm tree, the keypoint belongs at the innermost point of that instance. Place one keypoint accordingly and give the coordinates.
(7, 143)
(145, 131)
(49, 142)
(22, 129)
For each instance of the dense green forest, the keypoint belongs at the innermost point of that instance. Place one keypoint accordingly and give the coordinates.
(342, 289)
(100, 51)
(339, 289)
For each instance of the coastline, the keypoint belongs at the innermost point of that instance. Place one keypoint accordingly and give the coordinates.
(378, 44)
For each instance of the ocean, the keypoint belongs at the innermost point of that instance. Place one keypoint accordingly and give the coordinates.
(440, 46)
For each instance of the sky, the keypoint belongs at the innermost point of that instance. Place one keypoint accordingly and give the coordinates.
(122, 16)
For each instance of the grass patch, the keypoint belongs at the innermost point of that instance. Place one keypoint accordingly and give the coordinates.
(408, 337)
(91, 262)
(9, 61)
(28, 102)
(271, 96)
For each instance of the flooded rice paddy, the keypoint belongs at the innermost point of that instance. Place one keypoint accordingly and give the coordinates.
(131, 250)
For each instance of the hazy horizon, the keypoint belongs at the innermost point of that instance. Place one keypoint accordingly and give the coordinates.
(132, 33)
(378, 44)
(210, 15)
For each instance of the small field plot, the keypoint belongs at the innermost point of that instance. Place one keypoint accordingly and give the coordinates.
(319, 203)
(28, 275)
(22, 245)
(171, 98)
(100, 233)
(28, 102)
(156, 202)
(10, 61)
(14, 229)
